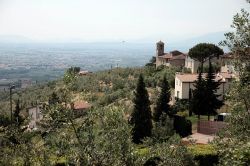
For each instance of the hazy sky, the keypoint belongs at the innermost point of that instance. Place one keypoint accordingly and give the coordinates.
(114, 20)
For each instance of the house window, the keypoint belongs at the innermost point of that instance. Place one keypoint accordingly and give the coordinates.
(178, 93)
(176, 82)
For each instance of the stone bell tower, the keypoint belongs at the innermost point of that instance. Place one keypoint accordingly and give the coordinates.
(159, 48)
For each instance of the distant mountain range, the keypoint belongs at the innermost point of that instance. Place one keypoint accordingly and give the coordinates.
(182, 45)
(14, 39)
(185, 45)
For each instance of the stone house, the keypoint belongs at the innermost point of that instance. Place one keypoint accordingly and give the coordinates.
(84, 73)
(191, 64)
(173, 58)
(226, 63)
(79, 108)
(184, 82)
(179, 59)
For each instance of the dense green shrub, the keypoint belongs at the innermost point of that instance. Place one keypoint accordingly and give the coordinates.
(4, 120)
(182, 126)
(186, 70)
(118, 84)
(110, 98)
(180, 106)
(183, 113)
(205, 155)
(163, 129)
(170, 152)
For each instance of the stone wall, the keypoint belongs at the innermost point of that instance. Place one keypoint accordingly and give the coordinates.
(177, 62)
(209, 127)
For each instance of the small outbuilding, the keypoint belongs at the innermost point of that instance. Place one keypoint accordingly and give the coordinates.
(80, 107)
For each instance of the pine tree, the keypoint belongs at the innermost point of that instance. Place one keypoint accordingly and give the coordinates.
(212, 102)
(198, 100)
(162, 101)
(141, 115)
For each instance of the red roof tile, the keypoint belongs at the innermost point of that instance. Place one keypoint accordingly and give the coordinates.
(193, 77)
(181, 56)
(80, 105)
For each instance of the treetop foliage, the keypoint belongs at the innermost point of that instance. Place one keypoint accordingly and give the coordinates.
(201, 52)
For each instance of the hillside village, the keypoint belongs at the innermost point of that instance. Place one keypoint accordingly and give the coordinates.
(184, 81)
(180, 109)
(166, 88)
(170, 88)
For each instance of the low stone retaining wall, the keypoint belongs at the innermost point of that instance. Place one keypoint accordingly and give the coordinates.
(209, 127)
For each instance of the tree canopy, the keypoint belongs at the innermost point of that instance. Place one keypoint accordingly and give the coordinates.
(203, 51)
(163, 100)
(234, 150)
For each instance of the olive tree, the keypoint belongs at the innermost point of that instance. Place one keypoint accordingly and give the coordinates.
(233, 142)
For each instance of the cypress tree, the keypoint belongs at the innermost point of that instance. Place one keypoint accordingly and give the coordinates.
(141, 115)
(212, 102)
(16, 115)
(53, 99)
(198, 100)
(163, 100)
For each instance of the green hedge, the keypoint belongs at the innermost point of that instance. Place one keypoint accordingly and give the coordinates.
(205, 155)
(182, 126)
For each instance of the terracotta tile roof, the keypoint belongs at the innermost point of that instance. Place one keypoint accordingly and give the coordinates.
(78, 105)
(84, 72)
(187, 77)
(175, 52)
(173, 55)
(166, 56)
(181, 56)
(193, 77)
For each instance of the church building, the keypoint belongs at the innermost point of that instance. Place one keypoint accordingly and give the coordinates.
(173, 58)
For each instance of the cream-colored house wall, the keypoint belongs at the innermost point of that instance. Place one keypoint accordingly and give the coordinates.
(161, 61)
(221, 90)
(183, 88)
(227, 68)
(178, 88)
(191, 64)
(194, 65)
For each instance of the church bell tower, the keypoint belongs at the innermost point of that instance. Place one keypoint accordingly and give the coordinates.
(159, 48)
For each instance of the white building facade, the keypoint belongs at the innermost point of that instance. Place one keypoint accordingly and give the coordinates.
(185, 82)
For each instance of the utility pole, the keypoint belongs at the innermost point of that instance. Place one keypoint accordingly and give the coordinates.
(11, 87)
